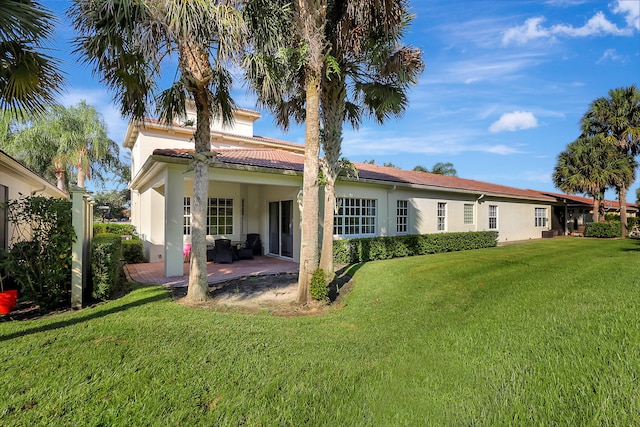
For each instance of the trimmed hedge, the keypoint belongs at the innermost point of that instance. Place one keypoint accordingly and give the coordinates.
(376, 248)
(133, 251)
(114, 228)
(106, 270)
(603, 230)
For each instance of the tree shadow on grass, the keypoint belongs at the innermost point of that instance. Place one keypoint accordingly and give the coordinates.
(635, 248)
(341, 283)
(88, 314)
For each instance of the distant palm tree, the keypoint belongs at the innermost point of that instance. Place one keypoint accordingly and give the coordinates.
(62, 140)
(444, 169)
(29, 78)
(126, 42)
(584, 167)
(617, 120)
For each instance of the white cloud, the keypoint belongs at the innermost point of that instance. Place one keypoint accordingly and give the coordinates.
(597, 25)
(631, 10)
(517, 120)
(530, 30)
(611, 55)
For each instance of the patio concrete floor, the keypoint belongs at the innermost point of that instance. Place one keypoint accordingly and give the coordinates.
(153, 273)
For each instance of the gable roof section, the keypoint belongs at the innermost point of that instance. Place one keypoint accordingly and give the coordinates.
(26, 175)
(134, 129)
(288, 161)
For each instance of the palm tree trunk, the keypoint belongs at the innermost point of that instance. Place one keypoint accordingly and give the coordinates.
(197, 73)
(622, 199)
(309, 234)
(326, 253)
(81, 176)
(596, 209)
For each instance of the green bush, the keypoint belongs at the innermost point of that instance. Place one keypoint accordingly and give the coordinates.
(40, 263)
(114, 228)
(603, 230)
(318, 287)
(376, 248)
(106, 269)
(133, 251)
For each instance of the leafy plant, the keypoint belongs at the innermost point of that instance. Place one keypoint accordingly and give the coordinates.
(106, 252)
(318, 287)
(40, 261)
(604, 230)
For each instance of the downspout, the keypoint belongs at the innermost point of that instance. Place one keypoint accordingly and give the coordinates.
(477, 209)
(33, 193)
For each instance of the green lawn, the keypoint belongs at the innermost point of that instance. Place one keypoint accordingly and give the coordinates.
(538, 333)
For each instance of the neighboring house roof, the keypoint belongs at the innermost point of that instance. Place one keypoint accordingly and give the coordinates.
(284, 160)
(28, 176)
(587, 201)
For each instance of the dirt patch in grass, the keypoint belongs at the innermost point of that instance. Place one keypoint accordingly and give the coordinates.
(270, 294)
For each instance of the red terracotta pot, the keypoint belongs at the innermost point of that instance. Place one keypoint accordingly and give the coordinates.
(8, 300)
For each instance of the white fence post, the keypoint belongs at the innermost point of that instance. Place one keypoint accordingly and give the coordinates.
(81, 263)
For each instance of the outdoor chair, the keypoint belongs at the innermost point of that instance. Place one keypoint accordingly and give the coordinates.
(253, 246)
(222, 251)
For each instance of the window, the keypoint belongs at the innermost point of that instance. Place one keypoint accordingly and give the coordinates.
(468, 214)
(186, 217)
(493, 217)
(442, 210)
(355, 217)
(541, 217)
(219, 216)
(402, 216)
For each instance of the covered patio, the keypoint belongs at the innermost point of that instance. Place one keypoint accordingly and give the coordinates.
(154, 273)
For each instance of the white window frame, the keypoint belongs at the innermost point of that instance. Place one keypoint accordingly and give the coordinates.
(469, 214)
(220, 213)
(186, 216)
(402, 216)
(355, 217)
(441, 217)
(540, 217)
(493, 217)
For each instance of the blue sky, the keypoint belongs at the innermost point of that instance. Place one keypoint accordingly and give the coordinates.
(505, 85)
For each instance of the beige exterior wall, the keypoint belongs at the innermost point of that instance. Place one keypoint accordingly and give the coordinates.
(21, 181)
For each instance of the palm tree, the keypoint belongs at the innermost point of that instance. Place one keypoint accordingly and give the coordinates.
(29, 78)
(369, 75)
(584, 167)
(52, 144)
(617, 119)
(444, 169)
(287, 77)
(126, 42)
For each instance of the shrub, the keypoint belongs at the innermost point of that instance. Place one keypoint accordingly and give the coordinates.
(318, 287)
(114, 228)
(132, 251)
(106, 269)
(41, 260)
(603, 229)
(376, 248)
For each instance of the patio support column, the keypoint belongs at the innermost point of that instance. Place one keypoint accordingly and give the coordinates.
(173, 213)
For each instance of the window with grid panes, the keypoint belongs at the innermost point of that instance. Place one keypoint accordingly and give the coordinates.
(468, 214)
(219, 216)
(493, 217)
(541, 217)
(355, 217)
(186, 217)
(402, 216)
(442, 218)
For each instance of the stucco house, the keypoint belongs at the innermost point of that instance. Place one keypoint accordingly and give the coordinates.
(255, 184)
(16, 180)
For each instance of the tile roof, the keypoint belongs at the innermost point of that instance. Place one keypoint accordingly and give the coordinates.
(589, 201)
(284, 160)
